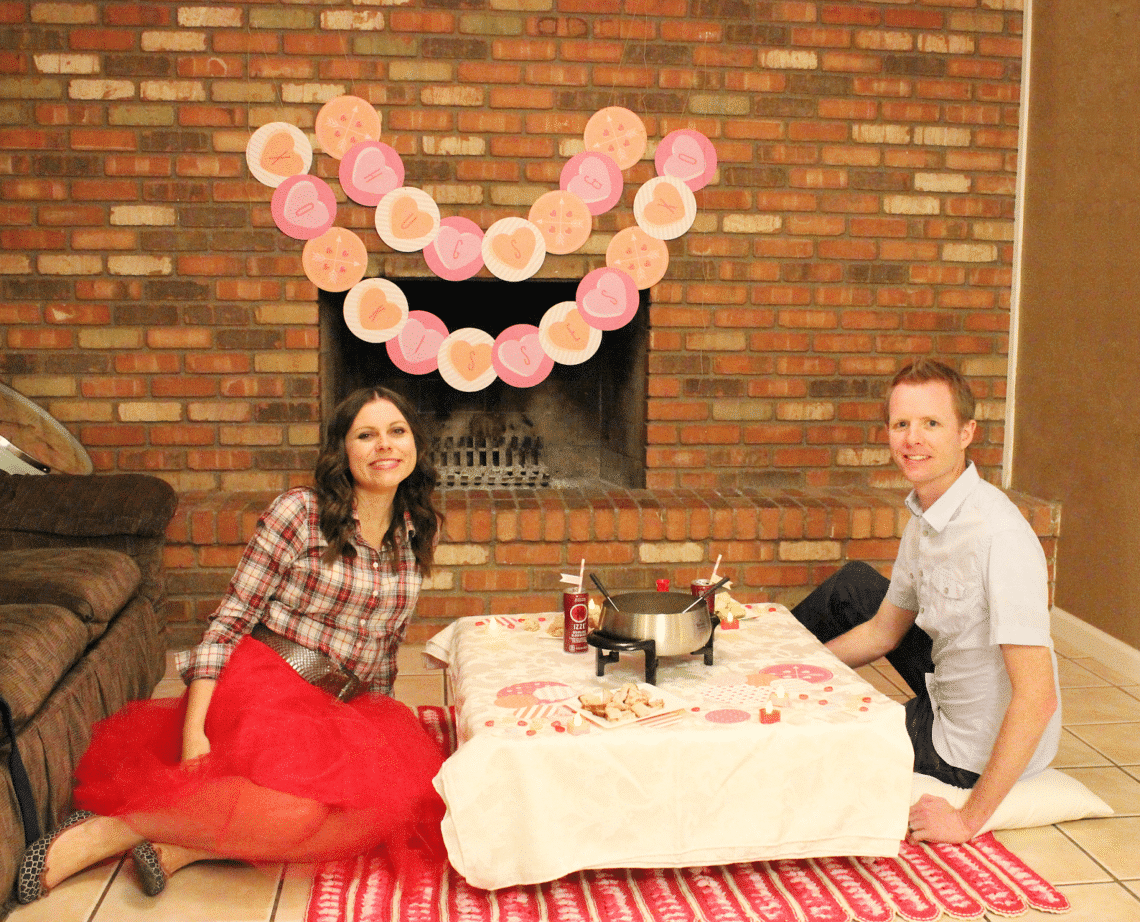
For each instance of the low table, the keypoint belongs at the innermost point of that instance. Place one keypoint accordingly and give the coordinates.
(535, 792)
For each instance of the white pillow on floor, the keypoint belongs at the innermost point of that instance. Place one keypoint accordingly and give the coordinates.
(1046, 798)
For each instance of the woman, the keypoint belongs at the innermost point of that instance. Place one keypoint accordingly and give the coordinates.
(255, 762)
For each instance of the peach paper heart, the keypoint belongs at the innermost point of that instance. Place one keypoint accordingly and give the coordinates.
(571, 334)
(514, 249)
(470, 361)
(377, 312)
(279, 156)
(456, 248)
(409, 222)
(666, 206)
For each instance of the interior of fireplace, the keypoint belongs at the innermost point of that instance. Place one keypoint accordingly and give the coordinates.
(583, 425)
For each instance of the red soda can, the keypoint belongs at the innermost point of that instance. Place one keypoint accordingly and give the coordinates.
(575, 621)
(701, 585)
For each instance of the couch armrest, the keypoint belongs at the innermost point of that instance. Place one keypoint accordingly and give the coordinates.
(86, 506)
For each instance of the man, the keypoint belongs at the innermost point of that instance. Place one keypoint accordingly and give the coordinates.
(964, 617)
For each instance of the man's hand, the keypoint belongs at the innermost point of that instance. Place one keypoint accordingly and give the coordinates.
(933, 819)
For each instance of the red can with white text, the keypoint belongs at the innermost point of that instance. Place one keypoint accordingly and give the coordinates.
(575, 621)
(701, 585)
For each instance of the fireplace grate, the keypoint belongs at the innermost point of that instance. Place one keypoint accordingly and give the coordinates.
(465, 461)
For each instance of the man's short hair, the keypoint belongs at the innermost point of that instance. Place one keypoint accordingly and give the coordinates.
(926, 369)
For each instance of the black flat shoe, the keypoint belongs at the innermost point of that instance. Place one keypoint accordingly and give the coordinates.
(151, 875)
(30, 880)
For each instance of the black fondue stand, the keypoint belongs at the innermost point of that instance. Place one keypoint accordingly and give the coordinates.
(610, 648)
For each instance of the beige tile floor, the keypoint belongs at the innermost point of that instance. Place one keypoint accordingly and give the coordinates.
(1096, 863)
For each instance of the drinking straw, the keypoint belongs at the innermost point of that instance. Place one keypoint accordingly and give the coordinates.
(581, 573)
(716, 566)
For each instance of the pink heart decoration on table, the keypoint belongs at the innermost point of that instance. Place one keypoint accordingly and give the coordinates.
(456, 248)
(686, 161)
(418, 343)
(304, 208)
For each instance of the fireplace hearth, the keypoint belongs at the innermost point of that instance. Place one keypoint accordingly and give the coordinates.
(583, 425)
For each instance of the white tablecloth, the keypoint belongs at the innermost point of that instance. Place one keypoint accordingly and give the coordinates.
(533, 795)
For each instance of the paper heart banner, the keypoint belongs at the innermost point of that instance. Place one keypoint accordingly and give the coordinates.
(595, 178)
(519, 358)
(665, 207)
(513, 249)
(465, 359)
(416, 349)
(566, 337)
(618, 133)
(563, 220)
(688, 156)
(344, 121)
(456, 253)
(407, 219)
(643, 257)
(369, 171)
(277, 151)
(336, 260)
(607, 298)
(303, 207)
(375, 310)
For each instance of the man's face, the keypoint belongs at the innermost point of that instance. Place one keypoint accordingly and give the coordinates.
(928, 441)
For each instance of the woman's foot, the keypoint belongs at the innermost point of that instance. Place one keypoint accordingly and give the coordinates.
(30, 885)
(157, 863)
(82, 840)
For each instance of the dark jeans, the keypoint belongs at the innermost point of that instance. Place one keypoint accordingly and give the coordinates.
(851, 596)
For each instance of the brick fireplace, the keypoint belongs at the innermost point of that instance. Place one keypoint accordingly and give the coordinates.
(861, 214)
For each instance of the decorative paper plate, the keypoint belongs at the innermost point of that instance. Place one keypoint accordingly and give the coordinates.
(563, 220)
(688, 156)
(665, 207)
(518, 356)
(456, 253)
(513, 249)
(277, 151)
(376, 310)
(407, 219)
(336, 260)
(465, 359)
(673, 704)
(415, 349)
(595, 178)
(345, 121)
(644, 258)
(607, 298)
(566, 337)
(369, 171)
(303, 207)
(618, 133)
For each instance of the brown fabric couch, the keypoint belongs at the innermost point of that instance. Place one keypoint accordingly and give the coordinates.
(81, 624)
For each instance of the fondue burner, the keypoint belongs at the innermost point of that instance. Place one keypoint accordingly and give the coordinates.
(610, 648)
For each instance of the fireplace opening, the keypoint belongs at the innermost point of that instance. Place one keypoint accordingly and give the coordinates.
(583, 425)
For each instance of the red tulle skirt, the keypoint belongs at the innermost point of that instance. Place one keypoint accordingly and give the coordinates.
(292, 773)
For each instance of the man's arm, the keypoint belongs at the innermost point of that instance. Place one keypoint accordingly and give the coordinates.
(1033, 701)
(872, 639)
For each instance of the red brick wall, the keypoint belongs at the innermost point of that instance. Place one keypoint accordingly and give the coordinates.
(862, 213)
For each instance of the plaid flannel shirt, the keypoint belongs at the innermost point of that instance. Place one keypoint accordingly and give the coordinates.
(355, 611)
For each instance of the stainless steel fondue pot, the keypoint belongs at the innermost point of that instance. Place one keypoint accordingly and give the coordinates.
(660, 617)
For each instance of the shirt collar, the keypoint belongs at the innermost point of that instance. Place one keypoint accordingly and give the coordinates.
(939, 515)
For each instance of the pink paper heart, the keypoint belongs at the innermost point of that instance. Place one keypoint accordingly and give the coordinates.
(371, 173)
(304, 208)
(686, 160)
(607, 299)
(457, 248)
(418, 343)
(523, 355)
(592, 184)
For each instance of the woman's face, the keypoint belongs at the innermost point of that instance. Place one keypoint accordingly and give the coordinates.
(381, 448)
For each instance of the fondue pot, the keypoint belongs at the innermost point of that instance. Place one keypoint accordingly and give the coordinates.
(660, 617)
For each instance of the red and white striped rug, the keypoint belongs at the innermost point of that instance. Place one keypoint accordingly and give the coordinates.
(922, 883)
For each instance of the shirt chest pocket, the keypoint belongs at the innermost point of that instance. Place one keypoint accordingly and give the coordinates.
(947, 598)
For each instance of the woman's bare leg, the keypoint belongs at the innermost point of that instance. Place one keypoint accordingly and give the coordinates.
(88, 843)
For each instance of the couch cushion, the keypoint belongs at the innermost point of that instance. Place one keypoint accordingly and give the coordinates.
(38, 644)
(93, 583)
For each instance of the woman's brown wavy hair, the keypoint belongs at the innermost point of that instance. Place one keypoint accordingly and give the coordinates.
(334, 484)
